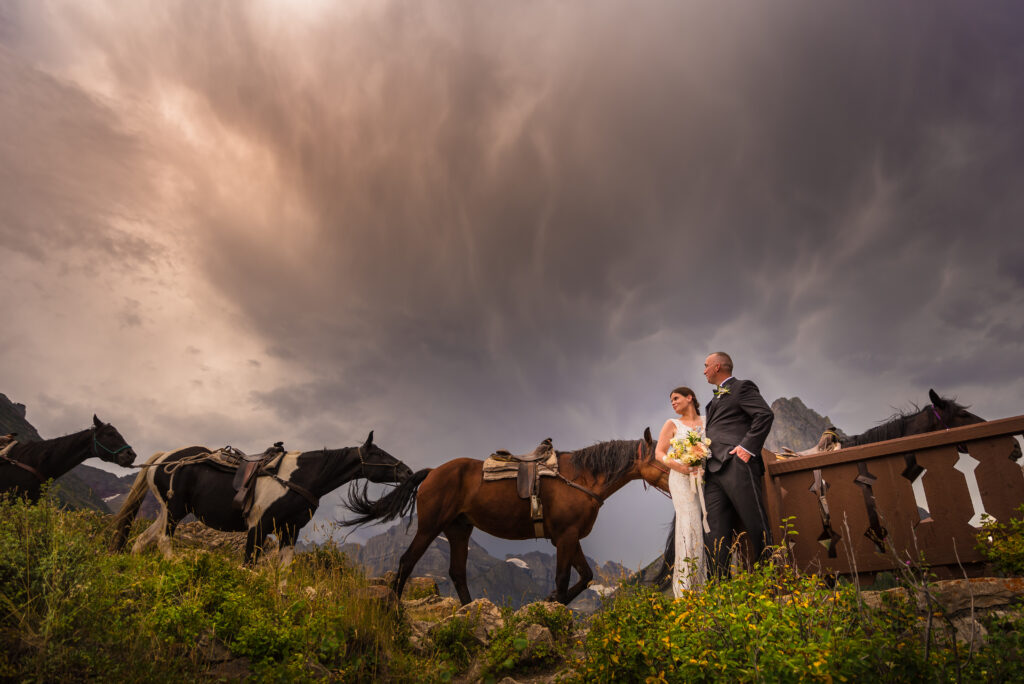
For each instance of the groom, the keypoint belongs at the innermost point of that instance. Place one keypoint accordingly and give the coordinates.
(738, 422)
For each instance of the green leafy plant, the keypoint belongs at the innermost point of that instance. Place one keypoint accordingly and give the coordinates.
(769, 625)
(1002, 543)
(510, 649)
(70, 611)
(455, 642)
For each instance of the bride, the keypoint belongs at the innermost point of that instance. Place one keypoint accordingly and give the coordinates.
(685, 485)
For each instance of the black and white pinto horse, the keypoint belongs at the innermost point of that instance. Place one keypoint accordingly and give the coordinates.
(282, 503)
(25, 466)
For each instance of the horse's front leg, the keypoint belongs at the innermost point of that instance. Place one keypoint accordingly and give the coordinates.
(286, 544)
(152, 533)
(579, 562)
(164, 541)
(458, 542)
(565, 553)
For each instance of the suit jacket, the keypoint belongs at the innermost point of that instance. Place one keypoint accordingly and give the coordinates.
(740, 417)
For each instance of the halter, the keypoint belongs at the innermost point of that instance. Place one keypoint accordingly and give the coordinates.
(96, 443)
(938, 416)
(657, 464)
(363, 463)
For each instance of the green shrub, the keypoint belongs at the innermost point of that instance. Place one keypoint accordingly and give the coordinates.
(70, 611)
(511, 651)
(1002, 543)
(455, 642)
(770, 625)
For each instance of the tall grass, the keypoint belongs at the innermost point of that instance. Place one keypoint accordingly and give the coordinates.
(70, 611)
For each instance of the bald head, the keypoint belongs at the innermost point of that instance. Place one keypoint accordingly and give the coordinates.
(717, 367)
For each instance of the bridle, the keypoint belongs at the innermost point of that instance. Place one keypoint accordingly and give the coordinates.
(938, 416)
(363, 463)
(96, 443)
(656, 463)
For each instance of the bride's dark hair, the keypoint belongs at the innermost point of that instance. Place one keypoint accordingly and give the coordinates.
(687, 392)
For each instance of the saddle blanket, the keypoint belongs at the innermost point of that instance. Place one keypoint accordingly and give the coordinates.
(498, 469)
(227, 458)
(231, 459)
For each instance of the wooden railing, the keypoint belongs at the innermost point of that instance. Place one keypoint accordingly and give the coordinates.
(855, 510)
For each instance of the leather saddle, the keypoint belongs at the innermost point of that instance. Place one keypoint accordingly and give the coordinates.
(250, 466)
(528, 478)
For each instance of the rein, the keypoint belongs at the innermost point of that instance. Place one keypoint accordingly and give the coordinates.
(24, 466)
(112, 452)
(600, 501)
(938, 416)
(657, 464)
(298, 489)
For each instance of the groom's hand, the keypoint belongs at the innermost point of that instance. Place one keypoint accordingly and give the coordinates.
(742, 453)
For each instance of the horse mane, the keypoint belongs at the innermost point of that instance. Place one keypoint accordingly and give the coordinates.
(611, 459)
(895, 426)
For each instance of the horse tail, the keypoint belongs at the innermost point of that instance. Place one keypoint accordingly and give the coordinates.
(398, 503)
(130, 508)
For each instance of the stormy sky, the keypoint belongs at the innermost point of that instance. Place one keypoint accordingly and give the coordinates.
(474, 225)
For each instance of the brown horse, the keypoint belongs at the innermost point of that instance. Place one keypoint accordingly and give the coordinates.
(454, 498)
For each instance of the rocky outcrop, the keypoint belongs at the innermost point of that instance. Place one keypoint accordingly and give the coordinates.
(795, 425)
(12, 419)
(962, 604)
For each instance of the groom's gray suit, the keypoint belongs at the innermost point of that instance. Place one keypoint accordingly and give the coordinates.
(732, 489)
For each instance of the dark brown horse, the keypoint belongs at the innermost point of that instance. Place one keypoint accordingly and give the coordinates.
(25, 466)
(940, 414)
(454, 498)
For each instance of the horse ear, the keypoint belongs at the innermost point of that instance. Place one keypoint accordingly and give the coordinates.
(369, 441)
(935, 398)
(647, 436)
(96, 421)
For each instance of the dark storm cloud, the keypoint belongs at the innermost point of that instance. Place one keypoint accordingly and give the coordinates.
(474, 226)
(70, 172)
(506, 196)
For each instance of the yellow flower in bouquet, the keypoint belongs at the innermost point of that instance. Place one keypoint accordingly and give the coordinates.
(691, 449)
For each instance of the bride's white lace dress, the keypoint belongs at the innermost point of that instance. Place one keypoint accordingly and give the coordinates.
(690, 571)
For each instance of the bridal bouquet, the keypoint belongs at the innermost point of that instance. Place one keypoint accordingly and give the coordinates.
(691, 449)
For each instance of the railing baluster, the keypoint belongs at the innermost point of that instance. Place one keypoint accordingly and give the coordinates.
(914, 495)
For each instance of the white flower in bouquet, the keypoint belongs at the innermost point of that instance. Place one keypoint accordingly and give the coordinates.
(691, 449)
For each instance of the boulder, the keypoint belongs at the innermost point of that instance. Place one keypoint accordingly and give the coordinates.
(539, 641)
(957, 596)
(430, 608)
(485, 618)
